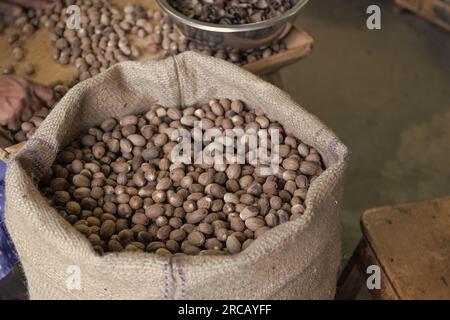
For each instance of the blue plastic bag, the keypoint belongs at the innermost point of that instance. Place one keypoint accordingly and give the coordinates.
(8, 256)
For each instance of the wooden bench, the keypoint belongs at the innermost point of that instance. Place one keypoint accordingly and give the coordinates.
(411, 245)
(436, 11)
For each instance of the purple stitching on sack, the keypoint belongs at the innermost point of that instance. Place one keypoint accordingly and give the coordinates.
(36, 157)
(318, 133)
(36, 161)
(182, 277)
(166, 279)
(44, 143)
(333, 148)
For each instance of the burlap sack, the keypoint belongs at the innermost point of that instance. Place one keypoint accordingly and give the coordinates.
(296, 260)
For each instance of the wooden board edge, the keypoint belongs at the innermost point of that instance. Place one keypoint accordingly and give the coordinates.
(437, 12)
(3, 154)
(284, 58)
(399, 205)
(354, 275)
(388, 290)
(351, 279)
(427, 10)
(7, 152)
(5, 142)
(366, 229)
(412, 5)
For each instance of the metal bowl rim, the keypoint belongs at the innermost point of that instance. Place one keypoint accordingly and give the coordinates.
(214, 27)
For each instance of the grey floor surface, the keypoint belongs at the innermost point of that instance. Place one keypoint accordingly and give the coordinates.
(386, 93)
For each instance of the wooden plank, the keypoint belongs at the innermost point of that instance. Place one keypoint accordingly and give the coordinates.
(436, 11)
(411, 242)
(5, 141)
(6, 152)
(354, 276)
(299, 45)
(412, 5)
(351, 279)
(387, 290)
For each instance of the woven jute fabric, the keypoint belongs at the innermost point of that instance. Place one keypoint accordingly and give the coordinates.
(296, 260)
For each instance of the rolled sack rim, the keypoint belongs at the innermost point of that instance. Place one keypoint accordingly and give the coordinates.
(272, 238)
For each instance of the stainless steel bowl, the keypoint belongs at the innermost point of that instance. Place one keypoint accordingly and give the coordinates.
(243, 36)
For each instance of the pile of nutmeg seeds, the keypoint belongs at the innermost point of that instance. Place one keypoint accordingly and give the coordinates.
(121, 187)
(234, 11)
(103, 38)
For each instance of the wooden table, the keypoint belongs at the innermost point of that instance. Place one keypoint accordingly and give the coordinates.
(411, 245)
(38, 51)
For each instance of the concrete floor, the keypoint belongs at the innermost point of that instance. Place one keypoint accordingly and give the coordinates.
(386, 93)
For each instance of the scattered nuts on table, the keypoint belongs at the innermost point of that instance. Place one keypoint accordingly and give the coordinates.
(17, 52)
(28, 69)
(103, 38)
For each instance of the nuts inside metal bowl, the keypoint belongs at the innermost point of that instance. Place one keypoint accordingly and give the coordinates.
(236, 24)
(232, 12)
